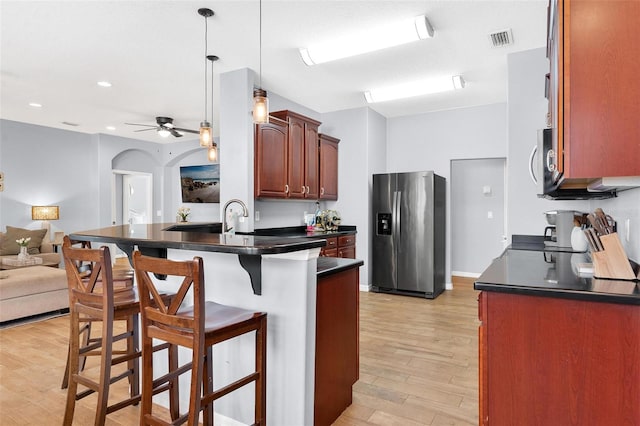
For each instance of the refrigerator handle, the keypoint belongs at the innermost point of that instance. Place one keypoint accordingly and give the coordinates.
(398, 211)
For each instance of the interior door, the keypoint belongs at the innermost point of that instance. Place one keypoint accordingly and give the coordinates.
(477, 214)
(136, 199)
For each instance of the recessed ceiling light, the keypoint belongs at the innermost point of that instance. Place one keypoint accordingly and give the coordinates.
(104, 84)
(418, 88)
(401, 32)
(35, 105)
(111, 127)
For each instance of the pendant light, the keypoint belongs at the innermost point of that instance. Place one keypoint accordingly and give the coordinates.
(260, 100)
(212, 151)
(206, 133)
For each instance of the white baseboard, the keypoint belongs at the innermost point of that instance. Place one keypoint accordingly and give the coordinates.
(364, 287)
(465, 274)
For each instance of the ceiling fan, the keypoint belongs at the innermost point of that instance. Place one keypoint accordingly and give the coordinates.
(164, 127)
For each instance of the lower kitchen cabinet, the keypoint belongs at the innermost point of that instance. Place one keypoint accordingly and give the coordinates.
(347, 246)
(337, 348)
(558, 361)
(342, 246)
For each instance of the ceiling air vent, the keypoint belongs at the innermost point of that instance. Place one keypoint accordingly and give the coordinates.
(501, 38)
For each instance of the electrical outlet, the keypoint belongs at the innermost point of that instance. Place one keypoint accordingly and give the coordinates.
(257, 216)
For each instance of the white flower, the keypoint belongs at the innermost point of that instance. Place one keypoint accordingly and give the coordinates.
(23, 241)
(183, 212)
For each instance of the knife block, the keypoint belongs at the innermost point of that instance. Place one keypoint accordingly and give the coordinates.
(612, 262)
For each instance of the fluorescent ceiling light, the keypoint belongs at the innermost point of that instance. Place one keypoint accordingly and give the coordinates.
(402, 32)
(418, 88)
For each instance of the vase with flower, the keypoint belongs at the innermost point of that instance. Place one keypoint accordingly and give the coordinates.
(183, 213)
(23, 243)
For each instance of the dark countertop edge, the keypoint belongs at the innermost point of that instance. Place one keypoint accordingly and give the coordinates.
(279, 245)
(301, 232)
(334, 265)
(588, 296)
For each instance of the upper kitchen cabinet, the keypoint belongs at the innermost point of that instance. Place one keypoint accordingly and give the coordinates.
(302, 170)
(271, 160)
(594, 88)
(328, 167)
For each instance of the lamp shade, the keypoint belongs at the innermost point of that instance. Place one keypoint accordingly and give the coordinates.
(45, 212)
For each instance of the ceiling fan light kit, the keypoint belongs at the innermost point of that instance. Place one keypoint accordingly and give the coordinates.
(403, 32)
(419, 88)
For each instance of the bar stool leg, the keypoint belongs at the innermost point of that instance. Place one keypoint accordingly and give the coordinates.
(207, 385)
(72, 366)
(105, 372)
(174, 390)
(133, 346)
(261, 368)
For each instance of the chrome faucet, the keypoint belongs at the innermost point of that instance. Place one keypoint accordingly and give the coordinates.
(245, 212)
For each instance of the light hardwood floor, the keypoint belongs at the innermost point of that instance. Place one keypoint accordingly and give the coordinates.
(418, 366)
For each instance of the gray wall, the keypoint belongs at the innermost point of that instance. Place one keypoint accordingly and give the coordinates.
(431, 141)
(527, 108)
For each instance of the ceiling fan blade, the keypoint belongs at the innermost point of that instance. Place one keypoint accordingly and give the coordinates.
(136, 124)
(175, 133)
(186, 130)
(144, 130)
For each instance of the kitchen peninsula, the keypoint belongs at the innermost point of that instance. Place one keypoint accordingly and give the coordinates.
(556, 347)
(277, 275)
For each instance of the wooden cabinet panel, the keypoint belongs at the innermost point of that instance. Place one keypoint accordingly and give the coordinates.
(558, 361)
(331, 249)
(271, 160)
(328, 167)
(347, 246)
(598, 68)
(302, 174)
(296, 158)
(347, 252)
(337, 346)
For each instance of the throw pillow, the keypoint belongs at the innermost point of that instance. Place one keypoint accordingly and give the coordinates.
(9, 245)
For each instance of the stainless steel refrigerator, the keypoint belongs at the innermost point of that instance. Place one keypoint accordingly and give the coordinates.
(409, 233)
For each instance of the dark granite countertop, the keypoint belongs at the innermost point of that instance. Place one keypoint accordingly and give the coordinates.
(331, 265)
(195, 236)
(553, 274)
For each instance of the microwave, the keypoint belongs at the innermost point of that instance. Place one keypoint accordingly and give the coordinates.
(549, 180)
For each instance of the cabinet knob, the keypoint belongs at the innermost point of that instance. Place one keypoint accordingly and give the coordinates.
(308, 190)
(303, 190)
(322, 190)
(286, 188)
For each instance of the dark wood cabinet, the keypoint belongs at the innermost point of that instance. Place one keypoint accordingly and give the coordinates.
(328, 167)
(342, 246)
(593, 50)
(558, 361)
(347, 246)
(302, 170)
(337, 350)
(271, 159)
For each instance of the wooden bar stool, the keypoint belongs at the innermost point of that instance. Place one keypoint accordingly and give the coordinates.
(198, 328)
(93, 298)
(121, 278)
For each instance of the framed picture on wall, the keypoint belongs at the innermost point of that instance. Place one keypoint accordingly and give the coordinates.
(200, 184)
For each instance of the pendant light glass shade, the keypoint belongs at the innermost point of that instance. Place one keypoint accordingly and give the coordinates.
(260, 106)
(206, 135)
(212, 152)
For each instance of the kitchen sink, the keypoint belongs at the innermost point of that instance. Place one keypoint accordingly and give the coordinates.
(209, 228)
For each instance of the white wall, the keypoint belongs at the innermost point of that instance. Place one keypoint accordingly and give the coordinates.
(430, 141)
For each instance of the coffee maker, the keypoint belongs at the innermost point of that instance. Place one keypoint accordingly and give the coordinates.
(558, 232)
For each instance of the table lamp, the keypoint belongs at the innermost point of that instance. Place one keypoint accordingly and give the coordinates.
(45, 214)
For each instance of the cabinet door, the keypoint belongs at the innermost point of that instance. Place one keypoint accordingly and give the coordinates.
(311, 159)
(347, 252)
(271, 160)
(601, 88)
(328, 168)
(296, 158)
